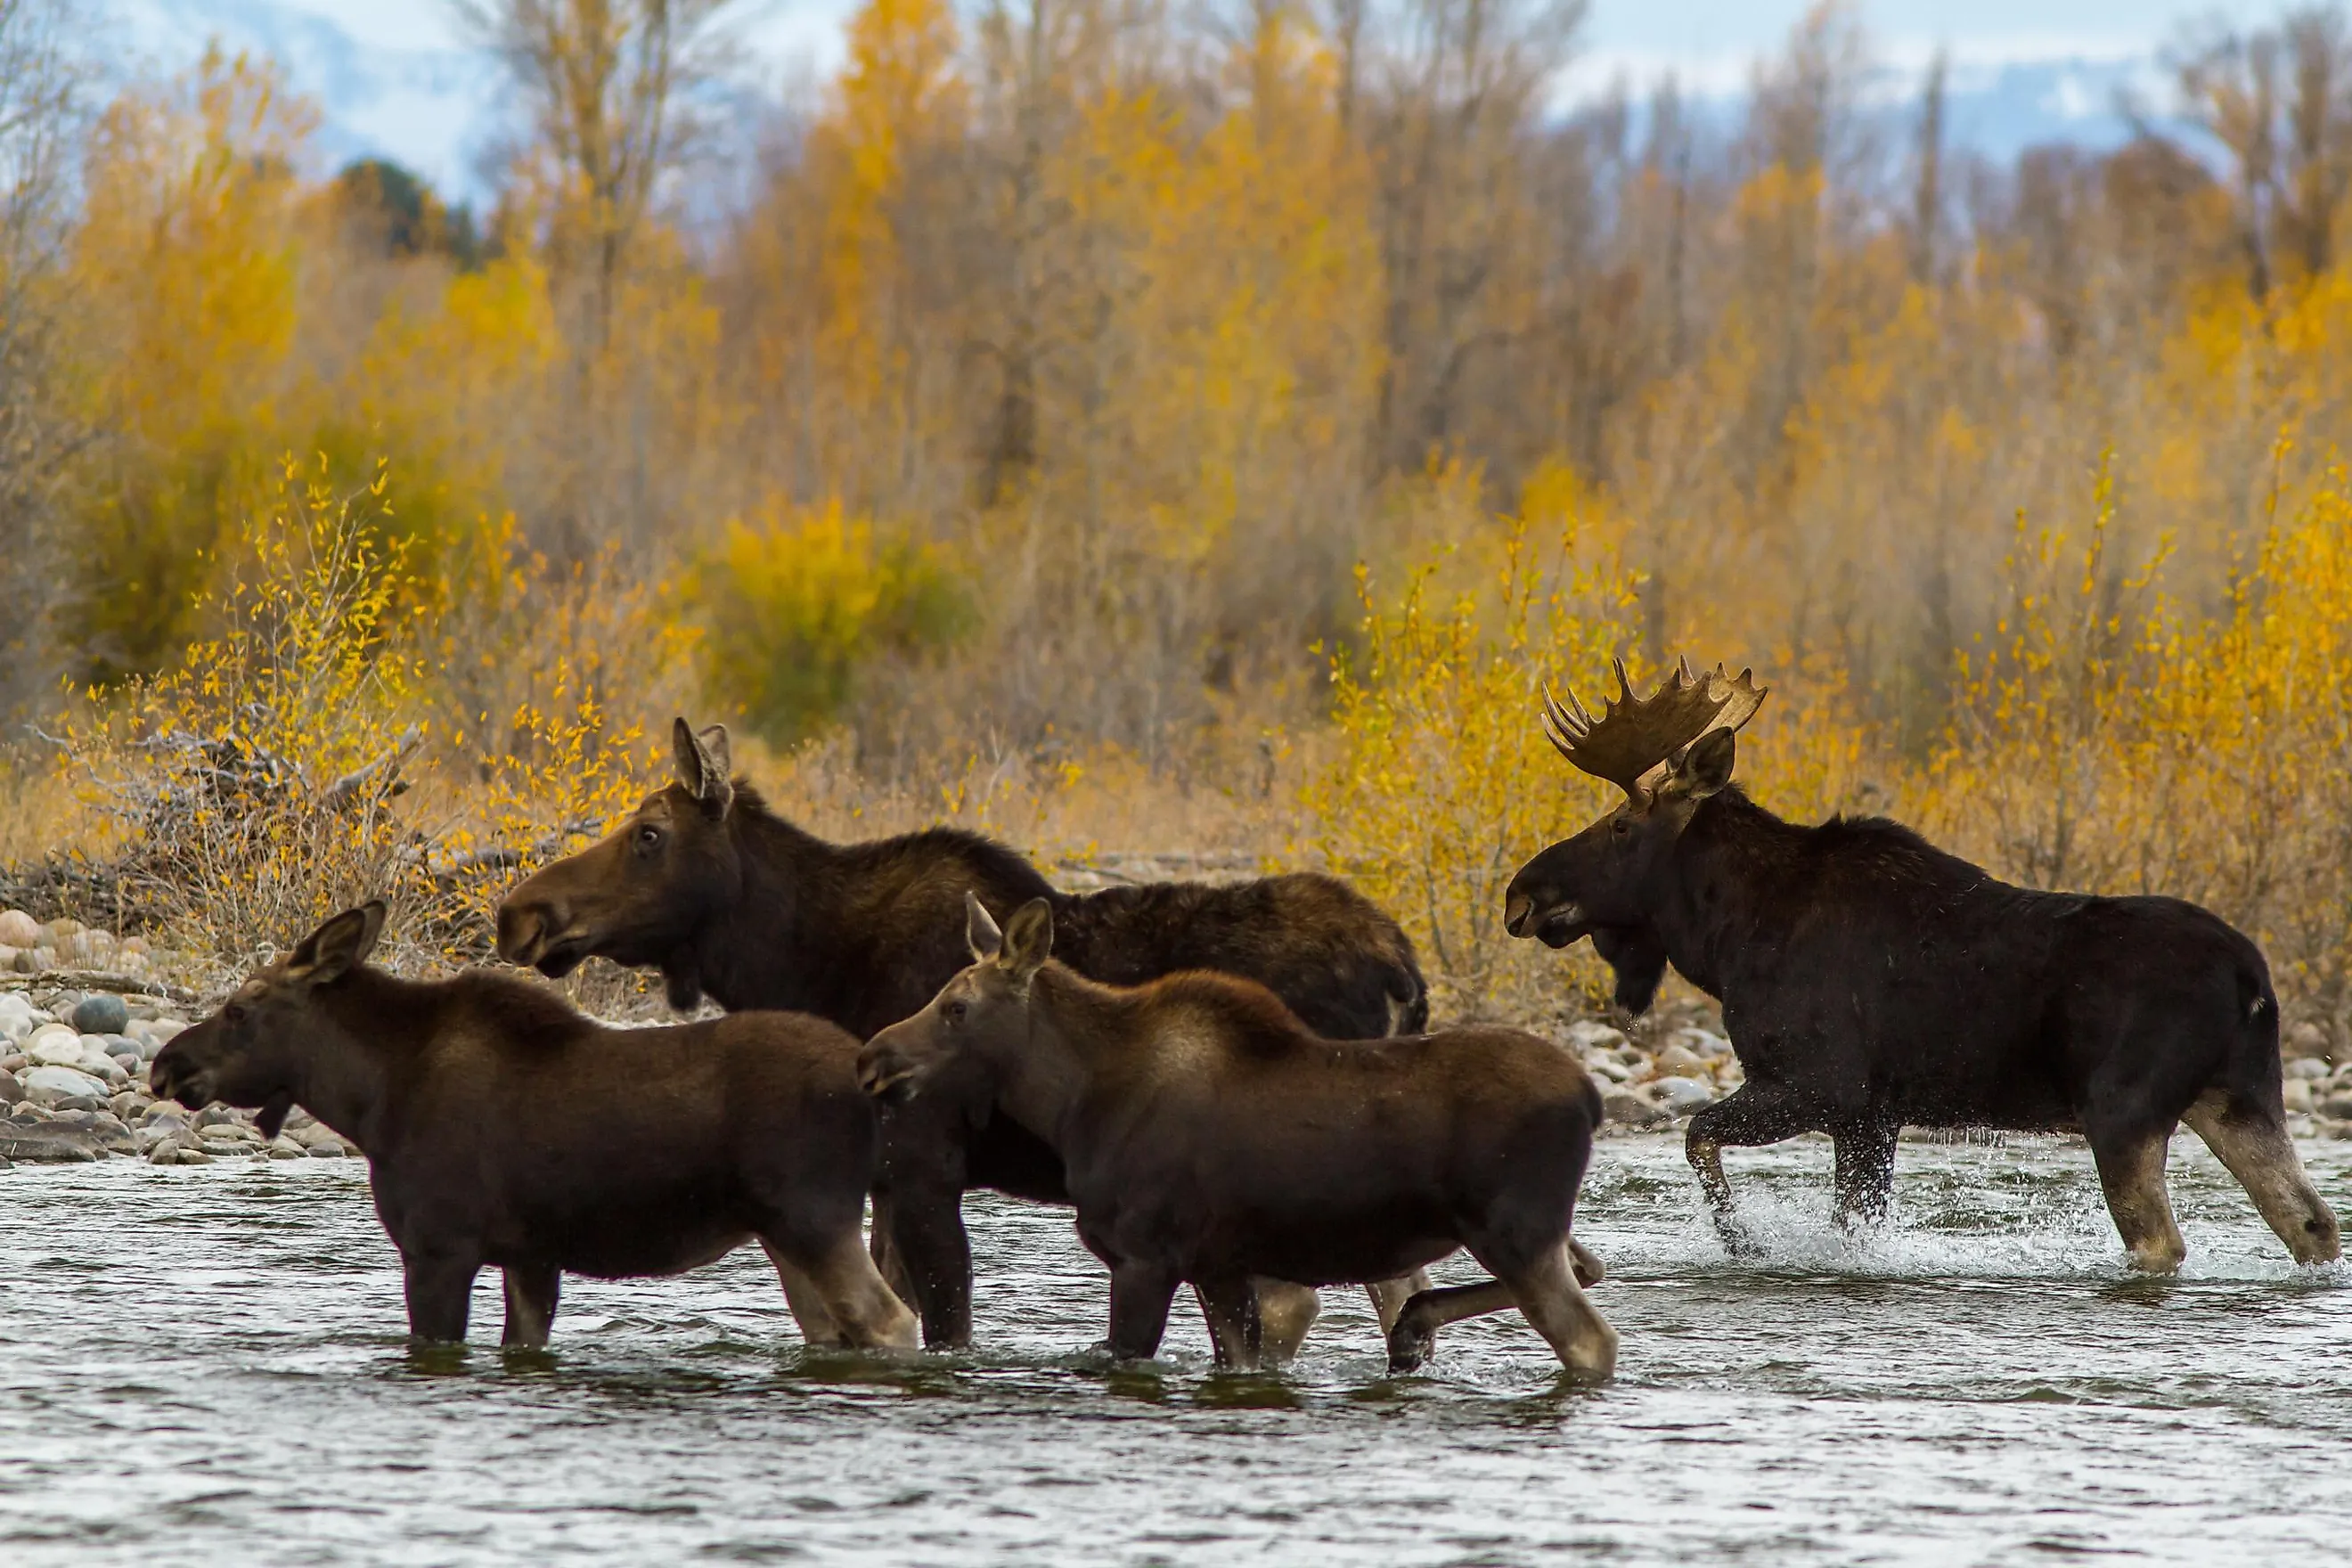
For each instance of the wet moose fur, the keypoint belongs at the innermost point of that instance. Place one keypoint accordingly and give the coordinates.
(1208, 1136)
(503, 1129)
(1871, 981)
(732, 902)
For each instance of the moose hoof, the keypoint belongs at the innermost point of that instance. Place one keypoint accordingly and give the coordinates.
(1409, 1342)
(1738, 1240)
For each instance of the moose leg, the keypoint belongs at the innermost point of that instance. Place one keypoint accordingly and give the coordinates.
(800, 1294)
(1753, 1113)
(2256, 1149)
(1140, 1294)
(2131, 1170)
(927, 1238)
(440, 1289)
(531, 1306)
(1865, 1170)
(1589, 1271)
(886, 1255)
(1414, 1333)
(1285, 1313)
(1389, 1296)
(853, 1296)
(1235, 1328)
(1561, 1313)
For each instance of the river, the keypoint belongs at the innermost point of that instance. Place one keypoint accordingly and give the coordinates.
(209, 1363)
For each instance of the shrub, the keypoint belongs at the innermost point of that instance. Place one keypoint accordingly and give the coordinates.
(792, 607)
(1442, 783)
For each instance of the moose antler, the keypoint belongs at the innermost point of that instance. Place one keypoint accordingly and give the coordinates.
(1635, 734)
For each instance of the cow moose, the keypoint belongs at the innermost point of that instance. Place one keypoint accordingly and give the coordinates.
(1206, 1135)
(503, 1129)
(1870, 981)
(733, 902)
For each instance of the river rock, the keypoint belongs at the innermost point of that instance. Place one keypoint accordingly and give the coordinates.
(1629, 1108)
(54, 1044)
(192, 1157)
(283, 1148)
(1679, 1058)
(18, 1016)
(51, 1142)
(11, 1091)
(1680, 1096)
(19, 928)
(33, 960)
(1590, 1035)
(330, 1149)
(49, 1085)
(102, 1012)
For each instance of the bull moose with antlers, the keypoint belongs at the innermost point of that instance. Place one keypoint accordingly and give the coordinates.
(1871, 981)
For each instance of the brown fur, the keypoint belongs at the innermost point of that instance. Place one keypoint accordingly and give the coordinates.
(1208, 1135)
(735, 904)
(503, 1129)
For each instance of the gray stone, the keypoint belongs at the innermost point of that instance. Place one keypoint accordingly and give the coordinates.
(19, 928)
(49, 1084)
(285, 1149)
(11, 1091)
(1630, 1110)
(2339, 1107)
(101, 1013)
(2307, 1067)
(55, 1044)
(130, 1105)
(164, 1152)
(193, 1157)
(51, 1142)
(331, 1149)
(1586, 1034)
(1680, 1096)
(15, 1061)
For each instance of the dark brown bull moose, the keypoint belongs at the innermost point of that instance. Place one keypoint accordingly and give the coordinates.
(1208, 1136)
(1871, 981)
(503, 1129)
(732, 902)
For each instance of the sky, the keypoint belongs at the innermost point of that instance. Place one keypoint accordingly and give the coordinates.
(397, 78)
(1702, 38)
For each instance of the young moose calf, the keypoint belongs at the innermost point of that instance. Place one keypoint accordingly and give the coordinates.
(504, 1129)
(1208, 1136)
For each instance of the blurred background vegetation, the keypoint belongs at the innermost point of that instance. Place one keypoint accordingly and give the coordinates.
(1127, 426)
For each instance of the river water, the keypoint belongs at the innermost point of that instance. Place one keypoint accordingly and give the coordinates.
(209, 1363)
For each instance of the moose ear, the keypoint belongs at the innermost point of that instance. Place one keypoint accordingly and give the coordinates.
(340, 946)
(703, 764)
(1706, 768)
(1028, 939)
(979, 930)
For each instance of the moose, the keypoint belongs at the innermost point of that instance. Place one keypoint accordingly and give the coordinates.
(1207, 1135)
(733, 902)
(1870, 981)
(503, 1129)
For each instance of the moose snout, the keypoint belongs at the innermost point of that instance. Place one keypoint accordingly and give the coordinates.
(1518, 909)
(885, 1073)
(521, 930)
(171, 1078)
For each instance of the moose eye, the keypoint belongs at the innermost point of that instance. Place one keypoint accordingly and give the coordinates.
(233, 1012)
(1621, 827)
(649, 837)
(956, 1010)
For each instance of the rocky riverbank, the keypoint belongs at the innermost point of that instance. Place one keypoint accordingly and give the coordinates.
(73, 1063)
(81, 1016)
